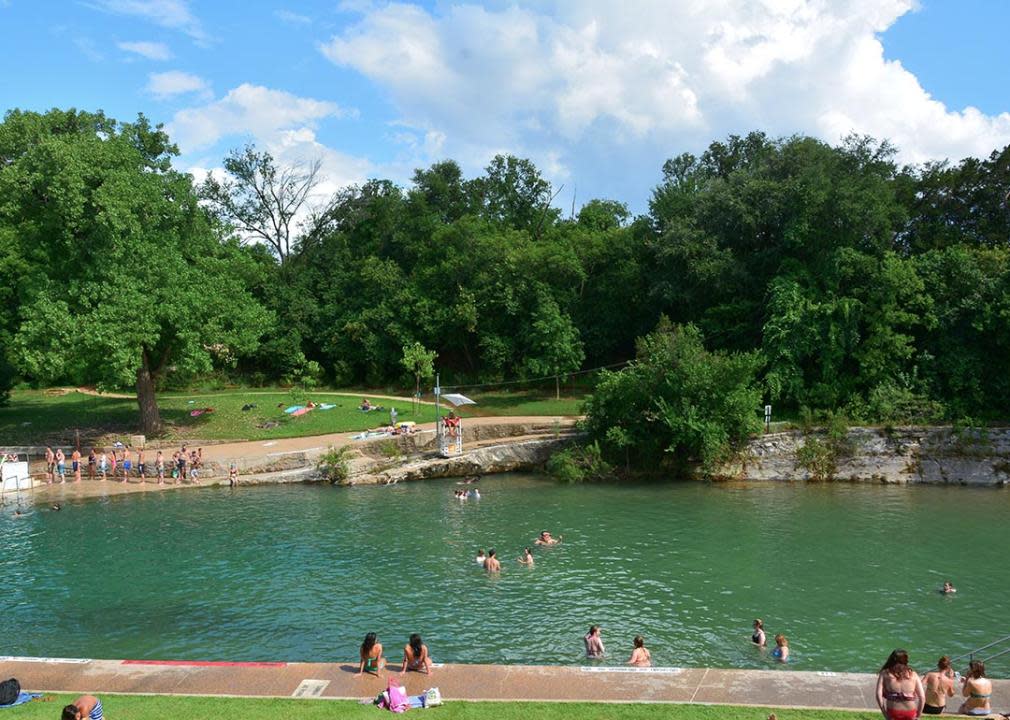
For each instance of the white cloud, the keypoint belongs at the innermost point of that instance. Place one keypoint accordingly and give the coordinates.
(292, 18)
(581, 84)
(175, 82)
(89, 49)
(149, 50)
(172, 14)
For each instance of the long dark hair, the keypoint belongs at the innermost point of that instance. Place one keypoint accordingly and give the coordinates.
(366, 647)
(416, 645)
(897, 665)
(976, 669)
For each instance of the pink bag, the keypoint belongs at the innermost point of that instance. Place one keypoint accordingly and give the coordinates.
(395, 698)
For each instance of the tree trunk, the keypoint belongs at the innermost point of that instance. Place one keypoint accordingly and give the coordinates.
(557, 387)
(150, 418)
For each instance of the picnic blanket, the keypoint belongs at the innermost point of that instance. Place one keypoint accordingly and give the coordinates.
(293, 409)
(23, 697)
(300, 411)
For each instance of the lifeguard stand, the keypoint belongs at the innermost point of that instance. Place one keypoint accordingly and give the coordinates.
(450, 437)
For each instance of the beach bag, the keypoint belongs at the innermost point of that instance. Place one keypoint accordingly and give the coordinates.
(398, 701)
(9, 691)
(432, 697)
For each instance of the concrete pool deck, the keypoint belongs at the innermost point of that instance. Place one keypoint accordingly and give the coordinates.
(776, 688)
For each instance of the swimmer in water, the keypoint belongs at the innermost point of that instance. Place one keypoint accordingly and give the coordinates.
(781, 650)
(481, 557)
(475, 494)
(526, 558)
(547, 539)
(56, 507)
(948, 589)
(758, 637)
(491, 563)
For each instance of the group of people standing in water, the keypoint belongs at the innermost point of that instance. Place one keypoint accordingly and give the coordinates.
(903, 695)
(781, 650)
(492, 565)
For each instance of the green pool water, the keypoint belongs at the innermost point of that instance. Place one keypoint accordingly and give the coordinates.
(302, 573)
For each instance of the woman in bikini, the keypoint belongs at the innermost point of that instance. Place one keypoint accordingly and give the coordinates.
(939, 685)
(371, 656)
(758, 637)
(640, 656)
(781, 650)
(899, 690)
(415, 656)
(977, 689)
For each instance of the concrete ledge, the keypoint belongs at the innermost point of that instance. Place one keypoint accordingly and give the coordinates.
(776, 688)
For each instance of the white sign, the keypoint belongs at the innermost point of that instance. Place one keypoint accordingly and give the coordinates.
(15, 476)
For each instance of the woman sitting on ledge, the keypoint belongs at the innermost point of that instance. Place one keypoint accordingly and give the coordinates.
(371, 656)
(977, 688)
(415, 656)
(899, 690)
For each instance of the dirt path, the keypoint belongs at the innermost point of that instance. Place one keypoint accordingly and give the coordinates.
(232, 393)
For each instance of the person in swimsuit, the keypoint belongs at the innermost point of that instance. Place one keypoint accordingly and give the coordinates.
(977, 689)
(781, 650)
(415, 656)
(491, 563)
(481, 557)
(547, 539)
(127, 463)
(939, 685)
(181, 465)
(50, 465)
(640, 656)
(899, 690)
(86, 707)
(61, 465)
(758, 636)
(371, 656)
(75, 464)
(140, 465)
(92, 462)
(113, 462)
(948, 588)
(159, 466)
(527, 558)
(103, 464)
(232, 474)
(594, 643)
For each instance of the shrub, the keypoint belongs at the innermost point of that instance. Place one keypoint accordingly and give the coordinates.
(820, 452)
(580, 463)
(335, 464)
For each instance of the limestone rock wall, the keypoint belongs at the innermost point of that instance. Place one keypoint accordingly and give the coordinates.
(936, 455)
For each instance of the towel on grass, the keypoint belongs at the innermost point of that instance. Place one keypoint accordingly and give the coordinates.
(23, 697)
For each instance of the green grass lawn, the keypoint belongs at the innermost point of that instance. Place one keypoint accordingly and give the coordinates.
(150, 707)
(37, 417)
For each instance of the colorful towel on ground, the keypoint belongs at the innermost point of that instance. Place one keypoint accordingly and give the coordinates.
(327, 406)
(23, 698)
(293, 408)
(300, 411)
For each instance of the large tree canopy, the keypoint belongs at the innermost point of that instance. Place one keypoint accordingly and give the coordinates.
(120, 275)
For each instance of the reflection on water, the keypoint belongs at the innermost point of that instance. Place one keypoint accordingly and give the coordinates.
(301, 573)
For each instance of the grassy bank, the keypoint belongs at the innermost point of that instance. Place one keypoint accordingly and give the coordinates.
(36, 417)
(149, 707)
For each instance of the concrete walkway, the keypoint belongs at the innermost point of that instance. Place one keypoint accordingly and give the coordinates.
(777, 688)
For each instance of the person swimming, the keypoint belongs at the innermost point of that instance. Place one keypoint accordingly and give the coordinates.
(948, 588)
(526, 558)
(781, 650)
(473, 494)
(481, 557)
(546, 538)
(758, 636)
(640, 655)
(491, 563)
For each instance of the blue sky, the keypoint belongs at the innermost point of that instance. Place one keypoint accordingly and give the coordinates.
(597, 93)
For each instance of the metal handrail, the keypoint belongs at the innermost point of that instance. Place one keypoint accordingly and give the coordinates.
(971, 654)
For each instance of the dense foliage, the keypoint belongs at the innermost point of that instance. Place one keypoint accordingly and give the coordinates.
(677, 404)
(877, 290)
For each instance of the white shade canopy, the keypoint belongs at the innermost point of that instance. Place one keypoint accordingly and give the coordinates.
(457, 399)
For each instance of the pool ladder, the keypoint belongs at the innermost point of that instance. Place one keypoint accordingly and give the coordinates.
(998, 652)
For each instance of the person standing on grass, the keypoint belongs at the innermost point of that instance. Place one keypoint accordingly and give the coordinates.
(75, 464)
(50, 465)
(92, 461)
(61, 465)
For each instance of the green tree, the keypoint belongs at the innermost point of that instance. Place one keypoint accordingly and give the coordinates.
(553, 345)
(420, 362)
(677, 405)
(124, 279)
